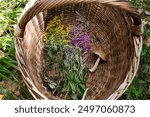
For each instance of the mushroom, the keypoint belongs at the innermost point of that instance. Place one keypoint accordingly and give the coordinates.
(101, 55)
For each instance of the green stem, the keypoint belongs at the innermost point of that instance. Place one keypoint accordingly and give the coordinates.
(84, 95)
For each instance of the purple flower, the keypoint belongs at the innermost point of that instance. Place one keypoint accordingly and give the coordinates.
(80, 38)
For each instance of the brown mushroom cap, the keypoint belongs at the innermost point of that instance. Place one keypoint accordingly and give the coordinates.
(99, 51)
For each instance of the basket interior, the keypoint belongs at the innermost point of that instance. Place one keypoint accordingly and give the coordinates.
(108, 29)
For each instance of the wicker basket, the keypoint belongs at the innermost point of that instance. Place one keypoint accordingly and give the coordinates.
(116, 28)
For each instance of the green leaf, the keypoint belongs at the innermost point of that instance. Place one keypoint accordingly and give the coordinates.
(73, 87)
(74, 97)
(9, 62)
(82, 86)
(66, 64)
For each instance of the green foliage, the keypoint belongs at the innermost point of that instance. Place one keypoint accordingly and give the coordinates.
(72, 67)
(74, 72)
(144, 69)
(24, 92)
(8, 94)
(5, 42)
(6, 68)
(9, 12)
(137, 3)
(135, 91)
(140, 87)
(69, 59)
(7, 61)
(147, 31)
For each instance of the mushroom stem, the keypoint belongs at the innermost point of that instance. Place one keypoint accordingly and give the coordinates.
(95, 65)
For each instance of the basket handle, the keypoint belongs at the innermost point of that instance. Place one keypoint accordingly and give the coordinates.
(42, 5)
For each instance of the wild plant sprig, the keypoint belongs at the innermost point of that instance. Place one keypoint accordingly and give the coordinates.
(74, 72)
(56, 32)
(67, 46)
(80, 38)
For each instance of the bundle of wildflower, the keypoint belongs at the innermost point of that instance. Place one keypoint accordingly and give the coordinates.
(66, 47)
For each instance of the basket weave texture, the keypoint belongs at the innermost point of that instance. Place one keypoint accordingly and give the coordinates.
(115, 26)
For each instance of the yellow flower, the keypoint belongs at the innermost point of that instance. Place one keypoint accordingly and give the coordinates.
(68, 29)
(60, 30)
(55, 19)
(56, 32)
(62, 16)
(58, 22)
(66, 41)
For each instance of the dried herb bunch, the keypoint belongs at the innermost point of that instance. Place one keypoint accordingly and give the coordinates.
(65, 50)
